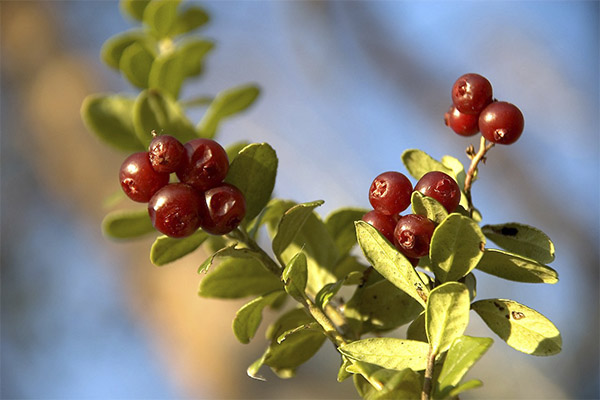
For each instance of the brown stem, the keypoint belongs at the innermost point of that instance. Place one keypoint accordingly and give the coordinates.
(475, 159)
(427, 381)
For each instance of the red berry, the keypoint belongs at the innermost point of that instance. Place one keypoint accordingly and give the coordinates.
(471, 93)
(166, 153)
(176, 210)
(390, 193)
(441, 187)
(501, 122)
(463, 124)
(385, 224)
(205, 164)
(138, 179)
(226, 208)
(413, 235)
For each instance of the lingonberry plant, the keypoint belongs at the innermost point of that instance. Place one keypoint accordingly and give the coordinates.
(416, 269)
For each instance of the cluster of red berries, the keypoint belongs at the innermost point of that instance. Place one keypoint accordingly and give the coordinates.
(390, 194)
(199, 200)
(474, 110)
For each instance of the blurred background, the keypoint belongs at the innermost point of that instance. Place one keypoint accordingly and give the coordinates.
(347, 86)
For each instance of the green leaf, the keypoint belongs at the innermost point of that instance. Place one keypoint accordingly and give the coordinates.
(418, 163)
(428, 207)
(390, 263)
(456, 247)
(346, 266)
(166, 249)
(405, 384)
(253, 369)
(340, 225)
(225, 104)
(127, 224)
(112, 50)
(291, 223)
(296, 349)
(380, 306)
(160, 16)
(135, 64)
(521, 239)
(134, 8)
(235, 278)
(193, 51)
(234, 149)
(462, 355)
(166, 73)
(314, 326)
(390, 353)
(189, 19)
(110, 117)
(416, 330)
(295, 275)
(471, 284)
(248, 318)
(446, 315)
(327, 292)
(515, 268)
(153, 111)
(521, 327)
(342, 373)
(253, 171)
(457, 168)
(230, 251)
(472, 384)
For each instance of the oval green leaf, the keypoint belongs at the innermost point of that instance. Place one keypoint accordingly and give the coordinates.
(340, 224)
(521, 239)
(193, 51)
(428, 207)
(515, 268)
(456, 248)
(295, 276)
(112, 50)
(290, 224)
(446, 315)
(390, 353)
(390, 263)
(248, 318)
(135, 64)
(134, 8)
(110, 117)
(254, 171)
(127, 224)
(160, 16)
(166, 249)
(189, 19)
(521, 327)
(418, 163)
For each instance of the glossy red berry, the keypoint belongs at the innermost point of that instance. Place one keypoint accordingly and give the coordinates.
(501, 122)
(205, 164)
(413, 234)
(385, 224)
(471, 93)
(226, 208)
(166, 153)
(176, 210)
(441, 187)
(138, 179)
(390, 193)
(462, 124)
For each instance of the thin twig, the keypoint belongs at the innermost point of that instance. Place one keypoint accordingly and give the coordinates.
(475, 159)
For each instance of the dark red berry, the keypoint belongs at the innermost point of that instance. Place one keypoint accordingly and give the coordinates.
(176, 210)
(413, 235)
(471, 93)
(226, 208)
(390, 193)
(166, 153)
(385, 224)
(441, 187)
(463, 124)
(501, 122)
(205, 164)
(138, 179)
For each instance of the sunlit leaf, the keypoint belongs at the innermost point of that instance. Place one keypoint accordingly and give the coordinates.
(167, 249)
(248, 318)
(521, 239)
(515, 268)
(428, 207)
(387, 352)
(418, 163)
(340, 224)
(291, 223)
(446, 315)
(127, 224)
(295, 276)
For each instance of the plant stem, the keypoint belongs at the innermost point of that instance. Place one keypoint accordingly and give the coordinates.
(475, 159)
(427, 381)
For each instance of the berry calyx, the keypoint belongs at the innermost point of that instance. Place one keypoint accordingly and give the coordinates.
(390, 193)
(225, 209)
(441, 187)
(176, 210)
(166, 153)
(138, 179)
(471, 93)
(385, 224)
(205, 164)
(501, 122)
(462, 124)
(412, 235)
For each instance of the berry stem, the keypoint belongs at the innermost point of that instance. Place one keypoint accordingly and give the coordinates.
(484, 147)
(427, 381)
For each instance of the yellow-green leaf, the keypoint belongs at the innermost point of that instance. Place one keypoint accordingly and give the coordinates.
(515, 268)
(127, 224)
(446, 315)
(521, 239)
(166, 249)
(387, 352)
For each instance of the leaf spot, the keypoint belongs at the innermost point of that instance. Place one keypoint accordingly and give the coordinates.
(518, 315)
(509, 231)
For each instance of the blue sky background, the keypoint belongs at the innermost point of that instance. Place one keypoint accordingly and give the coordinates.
(347, 86)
